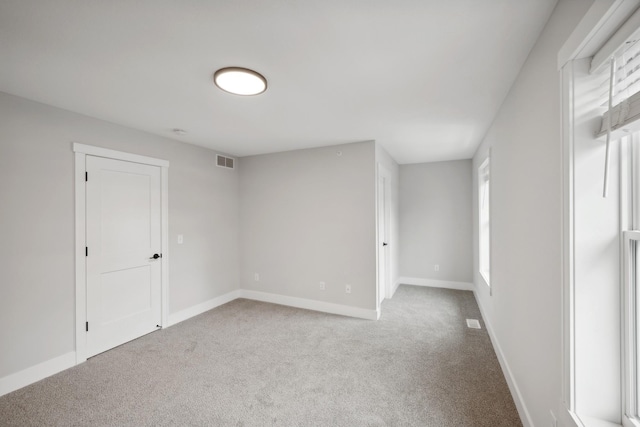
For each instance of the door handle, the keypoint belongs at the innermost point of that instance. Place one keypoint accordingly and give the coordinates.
(384, 243)
(156, 256)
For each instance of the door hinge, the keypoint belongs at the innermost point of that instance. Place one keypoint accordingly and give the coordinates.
(87, 326)
(86, 251)
(86, 176)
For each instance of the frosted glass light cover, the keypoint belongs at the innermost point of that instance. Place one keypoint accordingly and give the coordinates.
(240, 81)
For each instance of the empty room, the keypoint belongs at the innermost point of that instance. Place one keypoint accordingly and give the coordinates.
(320, 213)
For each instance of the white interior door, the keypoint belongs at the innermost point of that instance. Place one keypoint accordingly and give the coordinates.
(383, 241)
(123, 202)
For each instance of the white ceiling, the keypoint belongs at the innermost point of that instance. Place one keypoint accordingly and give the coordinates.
(422, 77)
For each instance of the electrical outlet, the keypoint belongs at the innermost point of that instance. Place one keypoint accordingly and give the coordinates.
(436, 267)
(256, 277)
(322, 286)
(347, 289)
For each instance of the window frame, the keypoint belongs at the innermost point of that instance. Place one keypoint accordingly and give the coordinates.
(631, 239)
(484, 220)
(592, 341)
(630, 253)
(600, 32)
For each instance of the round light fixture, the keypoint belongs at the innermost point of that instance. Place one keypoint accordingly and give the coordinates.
(240, 81)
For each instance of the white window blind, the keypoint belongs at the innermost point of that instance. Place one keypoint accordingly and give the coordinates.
(621, 94)
(623, 45)
(626, 92)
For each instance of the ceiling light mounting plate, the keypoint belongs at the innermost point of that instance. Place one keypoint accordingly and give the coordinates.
(240, 81)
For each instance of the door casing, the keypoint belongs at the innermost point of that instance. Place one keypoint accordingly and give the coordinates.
(81, 151)
(383, 224)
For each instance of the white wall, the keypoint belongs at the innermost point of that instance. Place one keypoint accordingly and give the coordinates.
(435, 221)
(309, 216)
(524, 310)
(37, 279)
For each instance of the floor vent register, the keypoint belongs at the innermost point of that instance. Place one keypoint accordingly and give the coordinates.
(473, 324)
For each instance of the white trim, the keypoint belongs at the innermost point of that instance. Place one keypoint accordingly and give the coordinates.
(630, 240)
(433, 283)
(585, 35)
(594, 422)
(566, 414)
(43, 370)
(567, 418)
(395, 287)
(627, 31)
(484, 182)
(80, 231)
(197, 309)
(570, 419)
(118, 155)
(592, 33)
(36, 373)
(383, 285)
(81, 151)
(307, 304)
(164, 185)
(525, 417)
(567, 238)
(601, 20)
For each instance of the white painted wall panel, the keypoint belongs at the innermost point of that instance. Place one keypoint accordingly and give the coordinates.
(525, 305)
(37, 224)
(435, 221)
(309, 216)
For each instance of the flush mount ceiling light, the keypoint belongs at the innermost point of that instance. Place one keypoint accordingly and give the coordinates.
(240, 81)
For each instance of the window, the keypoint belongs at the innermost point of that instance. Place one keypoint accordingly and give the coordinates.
(605, 267)
(630, 351)
(622, 114)
(600, 69)
(484, 226)
(630, 152)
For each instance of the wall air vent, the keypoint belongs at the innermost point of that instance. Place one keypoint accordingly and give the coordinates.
(225, 162)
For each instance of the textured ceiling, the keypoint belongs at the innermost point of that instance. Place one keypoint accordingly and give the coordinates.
(422, 77)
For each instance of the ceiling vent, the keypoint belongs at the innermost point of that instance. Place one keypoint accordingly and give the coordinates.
(225, 162)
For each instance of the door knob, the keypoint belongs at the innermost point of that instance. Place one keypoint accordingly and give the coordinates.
(156, 256)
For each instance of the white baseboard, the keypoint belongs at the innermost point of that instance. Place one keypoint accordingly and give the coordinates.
(43, 370)
(417, 281)
(36, 373)
(190, 312)
(525, 417)
(325, 307)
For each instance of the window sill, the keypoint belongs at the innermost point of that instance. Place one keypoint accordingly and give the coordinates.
(593, 422)
(485, 277)
(583, 421)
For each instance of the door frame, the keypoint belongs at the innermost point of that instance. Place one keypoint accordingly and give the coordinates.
(81, 152)
(383, 283)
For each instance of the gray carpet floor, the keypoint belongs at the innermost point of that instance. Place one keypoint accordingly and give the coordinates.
(249, 363)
